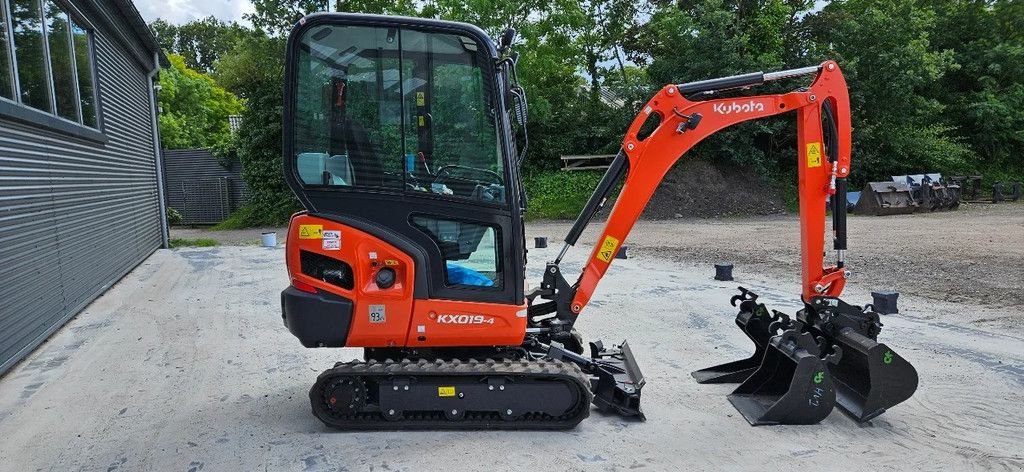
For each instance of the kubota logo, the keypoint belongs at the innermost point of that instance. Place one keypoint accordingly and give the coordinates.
(734, 107)
(449, 318)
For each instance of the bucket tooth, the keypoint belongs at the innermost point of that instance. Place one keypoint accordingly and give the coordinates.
(870, 378)
(755, 321)
(791, 386)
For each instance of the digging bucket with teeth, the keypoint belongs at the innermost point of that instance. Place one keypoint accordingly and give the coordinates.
(792, 384)
(755, 321)
(869, 377)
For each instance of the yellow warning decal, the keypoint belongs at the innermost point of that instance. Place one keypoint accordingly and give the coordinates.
(423, 121)
(311, 231)
(608, 247)
(390, 262)
(446, 391)
(813, 154)
(420, 99)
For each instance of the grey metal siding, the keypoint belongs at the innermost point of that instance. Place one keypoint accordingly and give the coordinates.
(75, 215)
(201, 189)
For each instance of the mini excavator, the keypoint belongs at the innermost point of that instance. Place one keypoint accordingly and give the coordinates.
(403, 139)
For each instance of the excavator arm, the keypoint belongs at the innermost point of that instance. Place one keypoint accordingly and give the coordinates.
(828, 354)
(682, 123)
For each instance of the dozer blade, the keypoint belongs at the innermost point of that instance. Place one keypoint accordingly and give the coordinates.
(870, 377)
(755, 321)
(792, 385)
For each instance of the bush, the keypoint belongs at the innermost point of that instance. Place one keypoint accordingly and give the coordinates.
(174, 217)
(558, 194)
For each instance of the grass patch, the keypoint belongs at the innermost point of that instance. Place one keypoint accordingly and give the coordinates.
(240, 219)
(201, 242)
(556, 194)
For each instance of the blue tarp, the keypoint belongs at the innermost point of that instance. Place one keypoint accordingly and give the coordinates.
(461, 275)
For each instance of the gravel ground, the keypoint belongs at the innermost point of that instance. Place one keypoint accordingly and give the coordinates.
(973, 255)
(185, 365)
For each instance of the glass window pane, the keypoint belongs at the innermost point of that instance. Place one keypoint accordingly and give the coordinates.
(27, 25)
(61, 61)
(83, 64)
(470, 250)
(452, 124)
(6, 80)
(386, 107)
(347, 109)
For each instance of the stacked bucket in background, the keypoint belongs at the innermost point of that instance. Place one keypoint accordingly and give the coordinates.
(926, 192)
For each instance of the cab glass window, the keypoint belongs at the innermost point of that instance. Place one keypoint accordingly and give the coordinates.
(396, 109)
(470, 250)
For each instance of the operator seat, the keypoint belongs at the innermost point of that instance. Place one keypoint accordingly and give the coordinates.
(363, 155)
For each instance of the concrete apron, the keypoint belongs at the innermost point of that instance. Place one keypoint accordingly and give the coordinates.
(185, 365)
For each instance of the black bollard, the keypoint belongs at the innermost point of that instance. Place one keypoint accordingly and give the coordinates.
(723, 271)
(885, 302)
(540, 243)
(621, 254)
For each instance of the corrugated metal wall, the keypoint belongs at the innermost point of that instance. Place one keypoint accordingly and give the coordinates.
(201, 189)
(75, 215)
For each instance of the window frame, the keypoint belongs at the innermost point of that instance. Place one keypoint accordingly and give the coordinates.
(14, 109)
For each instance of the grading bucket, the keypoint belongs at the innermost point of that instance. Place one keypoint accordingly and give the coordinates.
(886, 198)
(755, 321)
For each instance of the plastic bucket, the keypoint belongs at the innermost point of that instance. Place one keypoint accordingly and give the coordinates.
(269, 239)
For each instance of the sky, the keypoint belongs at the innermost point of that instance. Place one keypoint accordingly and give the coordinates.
(181, 11)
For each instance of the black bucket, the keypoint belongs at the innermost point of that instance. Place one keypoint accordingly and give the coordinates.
(755, 321)
(870, 377)
(791, 386)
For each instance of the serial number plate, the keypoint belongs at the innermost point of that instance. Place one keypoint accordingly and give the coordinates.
(377, 314)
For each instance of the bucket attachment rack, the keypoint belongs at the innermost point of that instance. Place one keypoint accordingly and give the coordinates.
(828, 356)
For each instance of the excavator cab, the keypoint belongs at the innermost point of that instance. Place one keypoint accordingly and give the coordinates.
(404, 126)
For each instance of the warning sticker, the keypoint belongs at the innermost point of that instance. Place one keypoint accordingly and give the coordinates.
(311, 231)
(608, 247)
(423, 121)
(813, 154)
(332, 240)
(446, 391)
(421, 99)
(390, 262)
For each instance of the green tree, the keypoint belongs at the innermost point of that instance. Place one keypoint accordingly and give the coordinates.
(200, 42)
(277, 17)
(194, 110)
(254, 70)
(886, 51)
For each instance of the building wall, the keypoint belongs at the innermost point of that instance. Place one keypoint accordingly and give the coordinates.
(77, 212)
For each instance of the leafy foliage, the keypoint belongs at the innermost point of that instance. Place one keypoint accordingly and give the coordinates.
(936, 85)
(255, 71)
(194, 109)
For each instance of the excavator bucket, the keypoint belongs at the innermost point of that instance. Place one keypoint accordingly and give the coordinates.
(792, 385)
(886, 198)
(755, 321)
(870, 377)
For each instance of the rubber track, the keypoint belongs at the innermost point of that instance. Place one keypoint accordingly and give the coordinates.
(374, 420)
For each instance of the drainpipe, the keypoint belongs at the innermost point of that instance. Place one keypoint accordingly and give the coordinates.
(159, 158)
